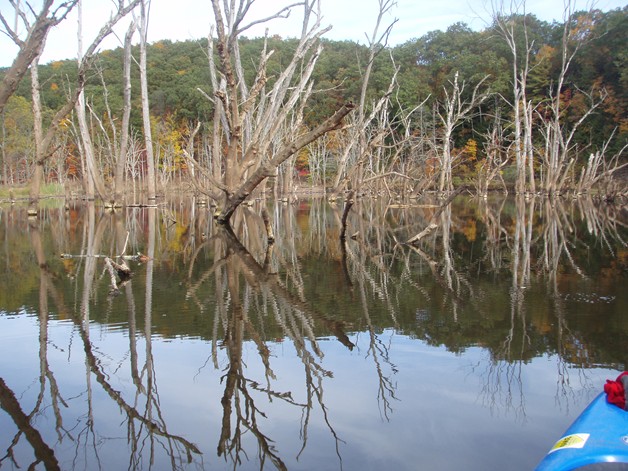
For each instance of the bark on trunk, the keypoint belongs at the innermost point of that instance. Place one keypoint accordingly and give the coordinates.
(148, 139)
(126, 116)
(268, 168)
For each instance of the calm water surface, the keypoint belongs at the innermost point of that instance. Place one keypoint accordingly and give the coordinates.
(473, 349)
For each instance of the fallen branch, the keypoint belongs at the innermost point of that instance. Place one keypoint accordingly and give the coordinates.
(269, 167)
(122, 270)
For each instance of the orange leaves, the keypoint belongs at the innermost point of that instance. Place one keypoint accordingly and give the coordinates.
(470, 229)
(302, 162)
(582, 28)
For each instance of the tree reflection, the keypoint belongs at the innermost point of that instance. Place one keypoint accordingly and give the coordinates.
(9, 402)
(144, 427)
(357, 271)
(296, 319)
(542, 244)
(43, 453)
(493, 274)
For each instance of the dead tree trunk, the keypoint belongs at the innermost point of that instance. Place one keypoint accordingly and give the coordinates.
(37, 119)
(32, 46)
(148, 139)
(44, 147)
(95, 181)
(522, 116)
(249, 118)
(454, 111)
(126, 117)
(267, 168)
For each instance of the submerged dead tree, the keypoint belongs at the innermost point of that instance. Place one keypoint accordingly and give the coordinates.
(514, 34)
(121, 162)
(366, 135)
(558, 132)
(44, 147)
(94, 179)
(148, 139)
(249, 117)
(454, 110)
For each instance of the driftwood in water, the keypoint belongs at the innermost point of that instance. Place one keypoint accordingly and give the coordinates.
(122, 270)
(116, 270)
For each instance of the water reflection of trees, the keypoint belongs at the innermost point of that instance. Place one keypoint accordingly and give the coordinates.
(489, 274)
(528, 248)
(541, 243)
(297, 320)
(147, 431)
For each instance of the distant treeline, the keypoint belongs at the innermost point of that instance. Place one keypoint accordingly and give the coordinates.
(178, 72)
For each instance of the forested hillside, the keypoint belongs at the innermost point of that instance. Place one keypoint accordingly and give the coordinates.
(430, 71)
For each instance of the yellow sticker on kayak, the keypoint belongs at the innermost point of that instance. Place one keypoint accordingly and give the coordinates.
(577, 440)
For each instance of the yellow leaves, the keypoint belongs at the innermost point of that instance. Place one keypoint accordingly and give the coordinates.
(302, 161)
(470, 229)
(471, 150)
(182, 72)
(68, 266)
(170, 140)
(179, 238)
(54, 87)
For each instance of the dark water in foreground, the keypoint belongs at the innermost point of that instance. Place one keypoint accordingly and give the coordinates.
(473, 350)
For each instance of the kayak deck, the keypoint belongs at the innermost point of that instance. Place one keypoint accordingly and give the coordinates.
(598, 435)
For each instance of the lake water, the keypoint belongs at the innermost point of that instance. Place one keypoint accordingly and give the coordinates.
(473, 349)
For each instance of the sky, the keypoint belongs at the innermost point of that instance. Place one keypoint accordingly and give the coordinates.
(181, 20)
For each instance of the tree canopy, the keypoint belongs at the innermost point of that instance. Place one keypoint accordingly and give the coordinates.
(178, 74)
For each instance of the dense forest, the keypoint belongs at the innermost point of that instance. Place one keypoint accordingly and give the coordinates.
(522, 104)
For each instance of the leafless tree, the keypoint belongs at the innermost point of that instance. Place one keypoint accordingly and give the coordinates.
(44, 149)
(122, 159)
(95, 182)
(599, 171)
(248, 117)
(505, 21)
(496, 158)
(358, 143)
(558, 159)
(452, 113)
(148, 139)
(32, 45)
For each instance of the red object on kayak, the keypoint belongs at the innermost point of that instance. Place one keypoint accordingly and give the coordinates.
(616, 390)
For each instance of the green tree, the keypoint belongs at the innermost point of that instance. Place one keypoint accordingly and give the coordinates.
(17, 140)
